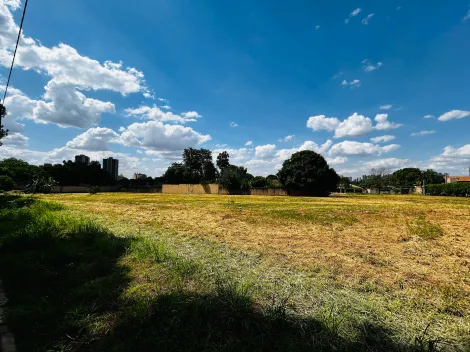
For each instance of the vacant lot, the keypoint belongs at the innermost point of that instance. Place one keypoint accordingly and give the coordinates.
(239, 272)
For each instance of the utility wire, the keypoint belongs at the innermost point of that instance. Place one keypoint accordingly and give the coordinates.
(14, 54)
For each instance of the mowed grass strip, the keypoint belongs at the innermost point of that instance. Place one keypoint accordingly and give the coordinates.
(76, 286)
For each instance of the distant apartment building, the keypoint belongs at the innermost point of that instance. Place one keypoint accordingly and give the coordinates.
(82, 159)
(138, 176)
(111, 165)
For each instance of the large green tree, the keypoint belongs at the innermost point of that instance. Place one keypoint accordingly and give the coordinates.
(407, 178)
(235, 178)
(20, 171)
(433, 177)
(307, 172)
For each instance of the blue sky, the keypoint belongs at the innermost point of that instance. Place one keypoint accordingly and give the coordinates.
(141, 82)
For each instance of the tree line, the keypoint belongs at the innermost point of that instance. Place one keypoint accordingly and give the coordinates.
(15, 172)
(399, 181)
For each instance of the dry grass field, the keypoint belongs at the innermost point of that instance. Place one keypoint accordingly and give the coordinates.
(398, 263)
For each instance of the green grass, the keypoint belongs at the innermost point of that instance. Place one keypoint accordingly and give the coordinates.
(77, 285)
(424, 229)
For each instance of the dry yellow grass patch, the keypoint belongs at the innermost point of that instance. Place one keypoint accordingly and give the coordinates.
(363, 241)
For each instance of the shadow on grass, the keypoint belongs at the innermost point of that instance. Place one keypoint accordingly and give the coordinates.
(57, 275)
(65, 280)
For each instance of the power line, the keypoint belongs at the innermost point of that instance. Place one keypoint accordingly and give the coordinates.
(14, 54)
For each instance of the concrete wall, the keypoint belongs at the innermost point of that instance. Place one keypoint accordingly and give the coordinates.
(143, 189)
(270, 191)
(191, 189)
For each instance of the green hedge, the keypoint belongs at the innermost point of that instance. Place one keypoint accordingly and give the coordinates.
(449, 189)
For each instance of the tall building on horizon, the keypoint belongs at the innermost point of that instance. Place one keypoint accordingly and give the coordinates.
(111, 165)
(82, 159)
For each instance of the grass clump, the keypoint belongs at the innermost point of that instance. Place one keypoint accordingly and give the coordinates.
(424, 229)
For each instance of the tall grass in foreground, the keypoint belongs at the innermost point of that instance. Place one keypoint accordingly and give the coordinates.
(74, 286)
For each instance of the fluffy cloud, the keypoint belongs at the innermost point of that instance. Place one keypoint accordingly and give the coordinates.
(384, 124)
(428, 116)
(265, 151)
(422, 133)
(156, 136)
(15, 139)
(191, 115)
(337, 161)
(366, 19)
(452, 159)
(369, 67)
(155, 113)
(249, 143)
(233, 124)
(96, 139)
(321, 122)
(383, 139)
(354, 126)
(389, 163)
(385, 107)
(352, 84)
(349, 148)
(454, 114)
(63, 105)
(70, 73)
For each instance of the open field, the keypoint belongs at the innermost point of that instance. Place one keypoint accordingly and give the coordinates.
(189, 272)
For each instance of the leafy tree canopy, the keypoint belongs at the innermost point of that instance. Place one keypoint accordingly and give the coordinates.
(6, 183)
(258, 181)
(407, 177)
(308, 172)
(223, 160)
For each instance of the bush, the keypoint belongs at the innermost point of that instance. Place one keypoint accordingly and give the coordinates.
(449, 189)
(40, 185)
(6, 183)
(93, 189)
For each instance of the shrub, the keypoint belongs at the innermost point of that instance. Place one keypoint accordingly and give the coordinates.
(40, 185)
(449, 189)
(6, 183)
(93, 189)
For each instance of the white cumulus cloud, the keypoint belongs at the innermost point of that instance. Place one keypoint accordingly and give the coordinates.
(156, 136)
(155, 113)
(96, 139)
(349, 148)
(321, 122)
(265, 151)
